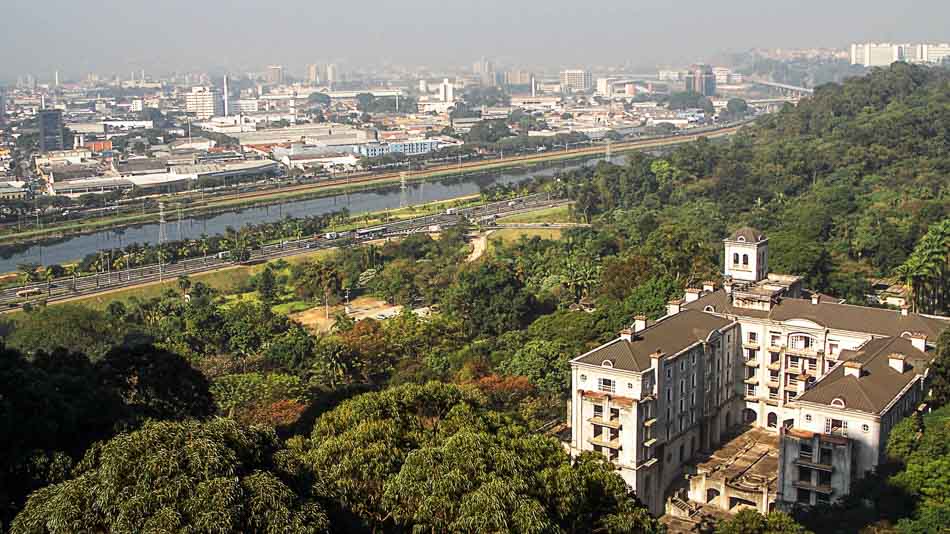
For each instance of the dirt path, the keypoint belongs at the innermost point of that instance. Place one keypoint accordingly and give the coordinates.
(479, 245)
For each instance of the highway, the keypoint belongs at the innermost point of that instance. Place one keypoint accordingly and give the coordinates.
(69, 288)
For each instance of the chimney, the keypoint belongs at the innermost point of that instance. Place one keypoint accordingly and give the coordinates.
(896, 362)
(815, 298)
(905, 309)
(853, 368)
(693, 294)
(639, 323)
(626, 334)
(919, 341)
(709, 286)
(673, 307)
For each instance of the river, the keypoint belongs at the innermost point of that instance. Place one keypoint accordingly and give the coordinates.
(73, 248)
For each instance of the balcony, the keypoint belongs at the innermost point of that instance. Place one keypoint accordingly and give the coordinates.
(800, 484)
(650, 442)
(747, 344)
(776, 348)
(752, 363)
(809, 352)
(649, 422)
(612, 444)
(801, 462)
(609, 423)
(775, 366)
(774, 383)
(753, 380)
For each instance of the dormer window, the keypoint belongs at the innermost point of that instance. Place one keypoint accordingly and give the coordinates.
(606, 385)
(608, 364)
(741, 239)
(837, 402)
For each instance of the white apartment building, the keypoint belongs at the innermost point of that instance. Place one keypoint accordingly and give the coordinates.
(883, 54)
(826, 380)
(446, 91)
(574, 80)
(204, 102)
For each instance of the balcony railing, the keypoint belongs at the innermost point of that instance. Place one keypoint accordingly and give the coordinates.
(610, 423)
(611, 444)
(803, 462)
(812, 487)
(753, 362)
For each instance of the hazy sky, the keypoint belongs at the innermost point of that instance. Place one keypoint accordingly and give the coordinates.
(163, 35)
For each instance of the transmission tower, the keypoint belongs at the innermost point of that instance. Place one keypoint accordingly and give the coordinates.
(162, 236)
(403, 201)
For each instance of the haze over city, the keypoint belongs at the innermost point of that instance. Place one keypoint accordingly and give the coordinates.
(182, 35)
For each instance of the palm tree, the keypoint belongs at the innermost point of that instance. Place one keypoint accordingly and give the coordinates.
(29, 272)
(184, 283)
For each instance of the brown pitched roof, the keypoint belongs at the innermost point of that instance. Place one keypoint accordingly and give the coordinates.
(670, 335)
(878, 321)
(879, 383)
(748, 235)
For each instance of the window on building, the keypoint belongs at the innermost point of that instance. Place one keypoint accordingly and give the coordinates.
(824, 478)
(753, 337)
(804, 474)
(682, 453)
(598, 411)
(833, 348)
(614, 414)
(606, 385)
(682, 405)
(745, 259)
(669, 372)
(865, 428)
(806, 452)
(669, 394)
(775, 340)
(804, 496)
(773, 376)
(682, 387)
(836, 427)
(682, 365)
(822, 498)
(793, 362)
(801, 341)
(583, 378)
(735, 258)
(629, 385)
(808, 417)
(774, 357)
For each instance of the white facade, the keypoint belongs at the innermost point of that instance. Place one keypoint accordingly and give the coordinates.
(446, 91)
(576, 80)
(204, 102)
(746, 256)
(883, 54)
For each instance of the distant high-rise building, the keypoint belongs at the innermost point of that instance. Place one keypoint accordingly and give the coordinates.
(3, 106)
(313, 73)
(275, 74)
(227, 97)
(56, 79)
(701, 79)
(518, 77)
(446, 91)
(331, 74)
(485, 70)
(883, 54)
(204, 102)
(573, 80)
(51, 130)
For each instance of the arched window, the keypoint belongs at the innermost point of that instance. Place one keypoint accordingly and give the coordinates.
(749, 416)
(773, 420)
(709, 309)
(608, 364)
(838, 402)
(741, 239)
(745, 259)
(735, 258)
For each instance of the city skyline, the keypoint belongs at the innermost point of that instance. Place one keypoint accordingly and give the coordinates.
(200, 37)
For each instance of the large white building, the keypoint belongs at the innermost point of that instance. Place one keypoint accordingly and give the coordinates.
(574, 80)
(204, 102)
(883, 54)
(446, 91)
(817, 383)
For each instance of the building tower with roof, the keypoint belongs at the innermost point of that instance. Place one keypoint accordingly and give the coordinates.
(747, 255)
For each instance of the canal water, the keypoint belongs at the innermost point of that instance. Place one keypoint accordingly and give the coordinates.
(73, 248)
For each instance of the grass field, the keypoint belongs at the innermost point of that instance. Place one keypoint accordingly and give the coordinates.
(558, 214)
(513, 234)
(225, 280)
